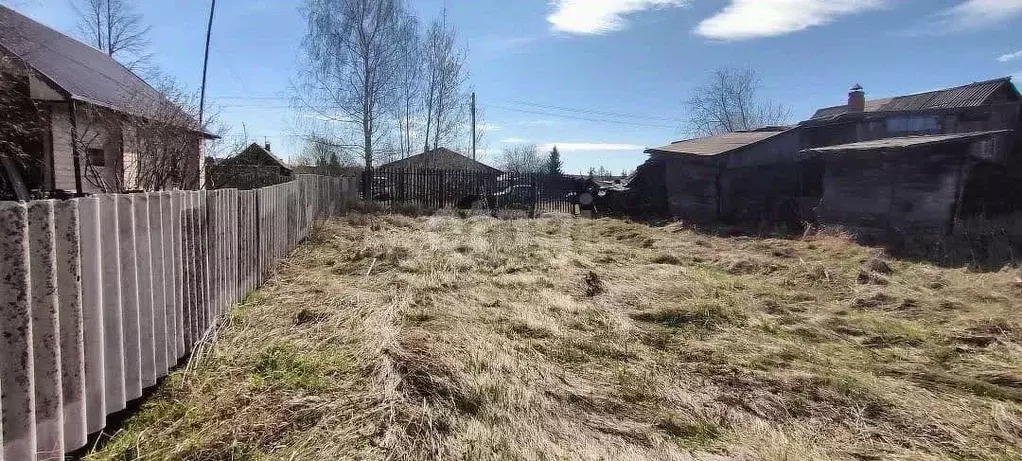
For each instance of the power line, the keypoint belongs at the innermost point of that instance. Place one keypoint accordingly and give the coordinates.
(561, 116)
(581, 110)
(592, 111)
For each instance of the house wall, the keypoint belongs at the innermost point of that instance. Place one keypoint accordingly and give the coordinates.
(93, 134)
(1003, 116)
(904, 189)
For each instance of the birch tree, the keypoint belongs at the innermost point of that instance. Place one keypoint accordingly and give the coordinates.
(350, 67)
(730, 101)
(444, 88)
(409, 72)
(115, 28)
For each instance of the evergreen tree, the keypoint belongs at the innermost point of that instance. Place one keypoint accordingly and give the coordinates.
(335, 164)
(554, 164)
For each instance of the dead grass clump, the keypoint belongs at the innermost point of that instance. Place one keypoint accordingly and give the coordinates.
(668, 259)
(867, 277)
(875, 300)
(306, 316)
(749, 266)
(592, 285)
(692, 435)
(708, 317)
(878, 266)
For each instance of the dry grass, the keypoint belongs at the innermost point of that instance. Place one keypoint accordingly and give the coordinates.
(438, 338)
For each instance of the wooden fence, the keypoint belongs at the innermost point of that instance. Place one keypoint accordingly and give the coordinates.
(439, 189)
(101, 296)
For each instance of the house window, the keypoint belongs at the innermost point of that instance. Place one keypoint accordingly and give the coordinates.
(97, 157)
(912, 124)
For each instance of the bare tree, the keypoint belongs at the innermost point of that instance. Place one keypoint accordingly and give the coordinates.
(22, 126)
(444, 87)
(116, 29)
(409, 72)
(351, 55)
(159, 137)
(522, 158)
(729, 102)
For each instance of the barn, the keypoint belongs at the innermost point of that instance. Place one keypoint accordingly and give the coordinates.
(913, 184)
(746, 176)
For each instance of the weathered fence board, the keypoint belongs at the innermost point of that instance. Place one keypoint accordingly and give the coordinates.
(101, 296)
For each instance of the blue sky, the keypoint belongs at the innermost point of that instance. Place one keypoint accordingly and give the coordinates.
(603, 79)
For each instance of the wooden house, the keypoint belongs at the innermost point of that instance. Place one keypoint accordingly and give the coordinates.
(254, 167)
(99, 121)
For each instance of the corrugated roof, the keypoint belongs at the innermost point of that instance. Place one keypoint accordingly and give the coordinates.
(86, 73)
(716, 145)
(971, 95)
(908, 141)
(441, 159)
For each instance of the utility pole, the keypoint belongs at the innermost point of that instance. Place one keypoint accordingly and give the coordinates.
(473, 125)
(205, 65)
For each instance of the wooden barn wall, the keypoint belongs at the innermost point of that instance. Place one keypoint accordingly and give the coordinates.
(648, 189)
(907, 189)
(692, 189)
(754, 194)
(780, 148)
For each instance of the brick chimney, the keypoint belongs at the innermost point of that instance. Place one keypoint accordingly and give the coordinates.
(267, 146)
(856, 99)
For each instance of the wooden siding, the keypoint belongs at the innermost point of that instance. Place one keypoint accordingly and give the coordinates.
(691, 190)
(907, 189)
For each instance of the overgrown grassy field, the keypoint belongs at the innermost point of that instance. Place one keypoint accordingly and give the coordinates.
(438, 338)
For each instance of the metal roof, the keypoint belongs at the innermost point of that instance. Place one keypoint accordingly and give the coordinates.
(441, 159)
(971, 95)
(85, 73)
(716, 145)
(904, 142)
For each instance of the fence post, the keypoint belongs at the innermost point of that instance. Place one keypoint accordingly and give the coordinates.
(45, 330)
(144, 285)
(92, 313)
(16, 359)
(72, 356)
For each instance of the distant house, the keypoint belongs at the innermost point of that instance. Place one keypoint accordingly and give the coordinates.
(441, 159)
(96, 114)
(254, 167)
(438, 173)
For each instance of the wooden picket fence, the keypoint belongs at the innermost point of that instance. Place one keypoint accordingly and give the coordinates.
(103, 295)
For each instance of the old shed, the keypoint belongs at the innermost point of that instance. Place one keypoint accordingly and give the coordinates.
(744, 176)
(914, 183)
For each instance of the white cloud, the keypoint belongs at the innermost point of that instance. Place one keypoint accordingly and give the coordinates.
(585, 146)
(488, 127)
(513, 141)
(593, 17)
(974, 14)
(1010, 56)
(748, 19)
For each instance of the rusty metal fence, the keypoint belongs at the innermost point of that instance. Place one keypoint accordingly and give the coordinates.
(103, 295)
